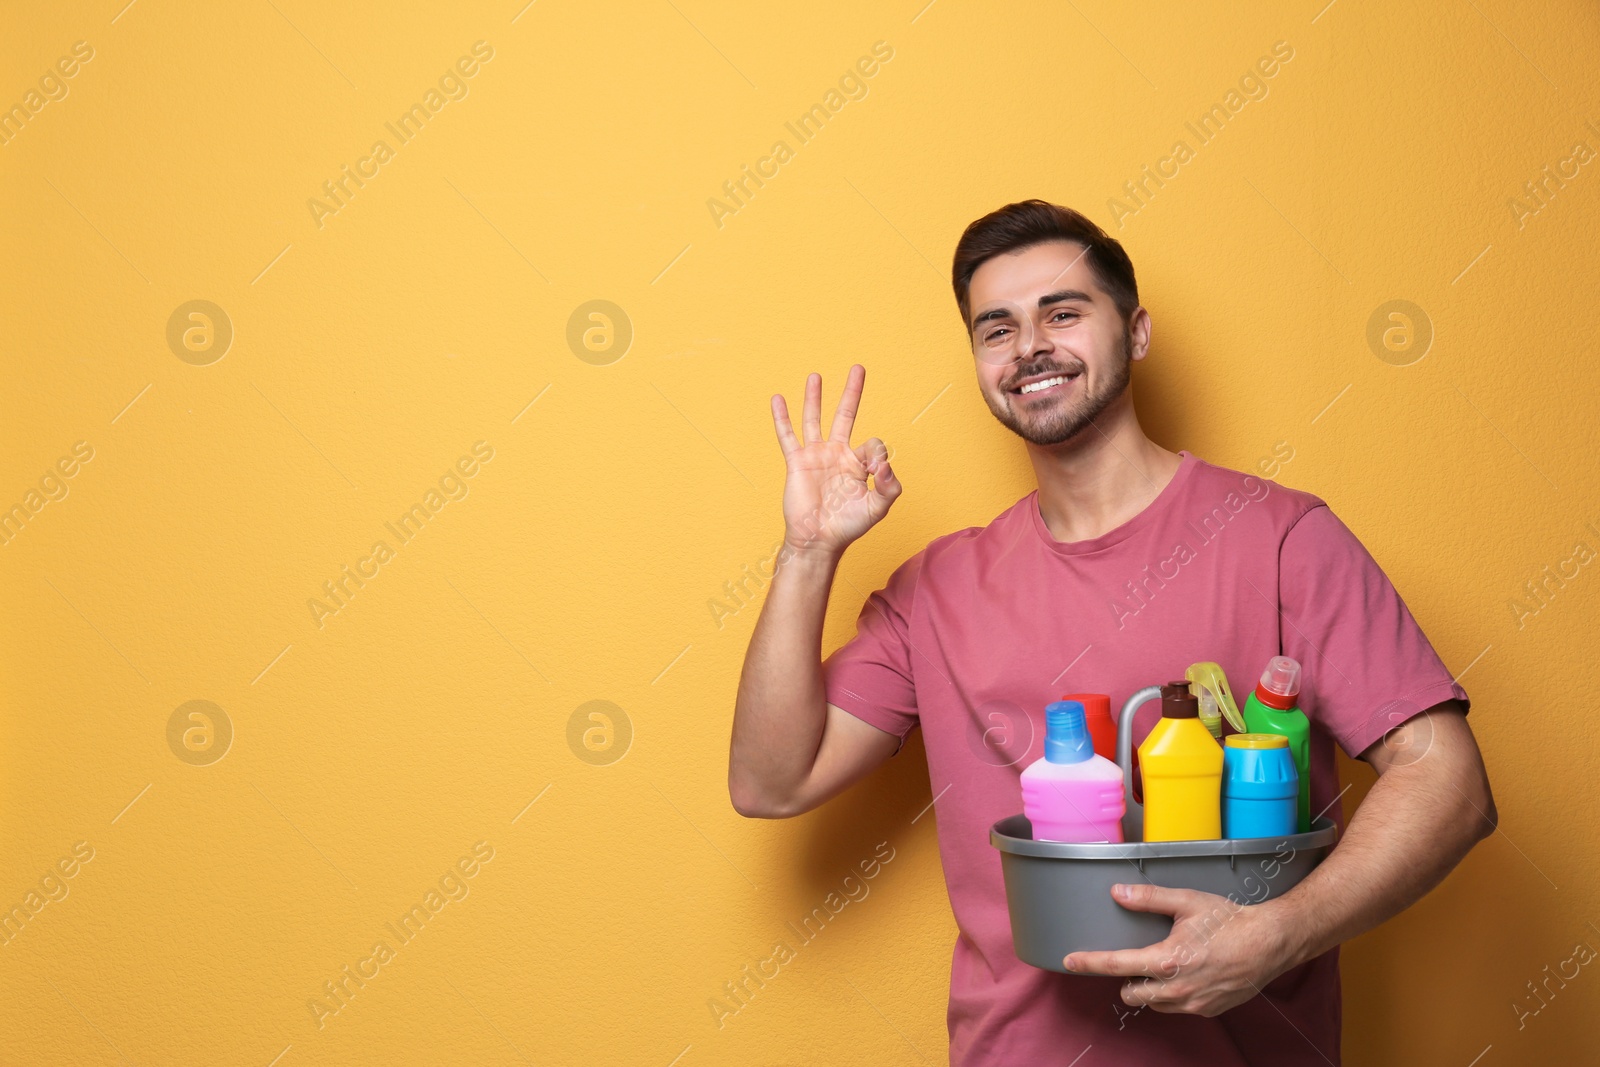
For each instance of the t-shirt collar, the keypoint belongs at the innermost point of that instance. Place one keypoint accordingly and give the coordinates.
(1151, 513)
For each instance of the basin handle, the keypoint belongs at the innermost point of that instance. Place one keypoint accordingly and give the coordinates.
(1125, 746)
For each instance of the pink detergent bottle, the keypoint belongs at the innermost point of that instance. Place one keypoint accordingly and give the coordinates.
(1072, 794)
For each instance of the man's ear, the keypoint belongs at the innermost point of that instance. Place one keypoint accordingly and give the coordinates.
(1139, 333)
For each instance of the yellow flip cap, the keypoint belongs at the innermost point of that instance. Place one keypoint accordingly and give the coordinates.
(1256, 741)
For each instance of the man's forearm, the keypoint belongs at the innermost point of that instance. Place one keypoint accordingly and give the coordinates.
(780, 711)
(1419, 820)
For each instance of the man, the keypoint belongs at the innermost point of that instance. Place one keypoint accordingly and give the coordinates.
(1127, 564)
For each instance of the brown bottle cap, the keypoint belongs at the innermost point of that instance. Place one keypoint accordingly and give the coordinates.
(1177, 702)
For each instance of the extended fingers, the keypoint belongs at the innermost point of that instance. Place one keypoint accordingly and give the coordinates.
(780, 422)
(844, 416)
(1122, 963)
(811, 417)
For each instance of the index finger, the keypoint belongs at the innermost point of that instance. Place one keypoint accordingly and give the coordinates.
(1123, 963)
(844, 416)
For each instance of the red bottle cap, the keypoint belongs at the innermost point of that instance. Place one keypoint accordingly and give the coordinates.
(1280, 683)
(1093, 703)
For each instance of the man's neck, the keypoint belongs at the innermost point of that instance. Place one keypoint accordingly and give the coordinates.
(1102, 477)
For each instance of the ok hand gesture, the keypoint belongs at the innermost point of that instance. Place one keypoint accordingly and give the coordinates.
(827, 501)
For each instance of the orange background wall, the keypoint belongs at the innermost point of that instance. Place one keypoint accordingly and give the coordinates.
(347, 763)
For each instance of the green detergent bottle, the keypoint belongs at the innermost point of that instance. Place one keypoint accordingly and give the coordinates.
(1272, 709)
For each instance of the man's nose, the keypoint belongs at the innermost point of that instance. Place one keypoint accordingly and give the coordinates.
(1031, 342)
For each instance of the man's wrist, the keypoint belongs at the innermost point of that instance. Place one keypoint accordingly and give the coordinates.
(809, 558)
(1298, 927)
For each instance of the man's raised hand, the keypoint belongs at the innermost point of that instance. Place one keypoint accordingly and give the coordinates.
(827, 501)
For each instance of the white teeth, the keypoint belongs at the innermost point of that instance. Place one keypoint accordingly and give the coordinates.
(1034, 387)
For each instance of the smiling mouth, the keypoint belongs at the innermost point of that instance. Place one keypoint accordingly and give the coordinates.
(1044, 385)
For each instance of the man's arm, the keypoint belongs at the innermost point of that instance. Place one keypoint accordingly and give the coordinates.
(1430, 805)
(790, 749)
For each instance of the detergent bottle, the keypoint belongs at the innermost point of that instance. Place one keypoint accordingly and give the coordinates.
(1182, 767)
(1210, 685)
(1102, 727)
(1272, 709)
(1071, 794)
(1259, 786)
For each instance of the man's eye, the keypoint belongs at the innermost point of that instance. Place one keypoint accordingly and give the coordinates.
(995, 335)
(1073, 314)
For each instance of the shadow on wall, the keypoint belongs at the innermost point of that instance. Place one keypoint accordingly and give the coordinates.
(848, 828)
(1479, 940)
(1159, 388)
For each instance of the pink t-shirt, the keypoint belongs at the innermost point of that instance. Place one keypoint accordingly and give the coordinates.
(973, 635)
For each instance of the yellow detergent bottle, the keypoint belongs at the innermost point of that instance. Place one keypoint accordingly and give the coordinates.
(1182, 768)
(1210, 685)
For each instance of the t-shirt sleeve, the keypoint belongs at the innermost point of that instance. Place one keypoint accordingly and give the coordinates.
(1367, 666)
(870, 676)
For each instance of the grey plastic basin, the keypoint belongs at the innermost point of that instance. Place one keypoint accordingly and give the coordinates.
(1059, 893)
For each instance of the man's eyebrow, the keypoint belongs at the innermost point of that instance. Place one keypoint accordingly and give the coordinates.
(1058, 297)
(1063, 295)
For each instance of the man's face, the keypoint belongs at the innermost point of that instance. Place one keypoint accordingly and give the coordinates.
(1050, 348)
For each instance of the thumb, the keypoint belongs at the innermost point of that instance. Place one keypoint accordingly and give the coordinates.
(1157, 899)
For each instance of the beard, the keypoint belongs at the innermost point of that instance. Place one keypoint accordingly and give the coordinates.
(1064, 421)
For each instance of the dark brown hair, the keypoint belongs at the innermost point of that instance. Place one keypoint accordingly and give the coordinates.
(1030, 222)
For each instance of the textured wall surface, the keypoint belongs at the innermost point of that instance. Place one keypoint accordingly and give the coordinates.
(335, 502)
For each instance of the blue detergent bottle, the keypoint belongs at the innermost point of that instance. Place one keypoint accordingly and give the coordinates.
(1260, 786)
